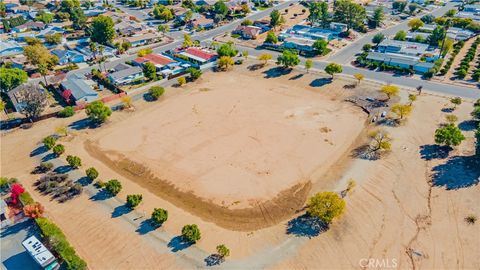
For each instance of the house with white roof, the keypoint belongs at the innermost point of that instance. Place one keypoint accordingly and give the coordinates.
(8, 48)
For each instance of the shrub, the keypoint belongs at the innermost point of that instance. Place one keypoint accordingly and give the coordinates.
(191, 232)
(58, 149)
(326, 206)
(91, 173)
(449, 135)
(60, 245)
(25, 198)
(49, 142)
(74, 161)
(98, 112)
(471, 219)
(45, 166)
(66, 112)
(181, 81)
(33, 210)
(223, 251)
(194, 73)
(134, 200)
(156, 91)
(159, 216)
(5, 182)
(113, 186)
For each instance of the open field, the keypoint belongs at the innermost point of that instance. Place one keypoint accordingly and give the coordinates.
(411, 200)
(232, 143)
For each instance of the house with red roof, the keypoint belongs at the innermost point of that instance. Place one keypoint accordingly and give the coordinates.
(160, 61)
(248, 31)
(198, 55)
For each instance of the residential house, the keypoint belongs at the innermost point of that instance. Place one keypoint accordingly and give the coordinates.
(205, 2)
(305, 31)
(201, 22)
(126, 76)
(17, 97)
(456, 33)
(51, 30)
(338, 27)
(248, 32)
(301, 44)
(20, 9)
(8, 48)
(142, 39)
(199, 56)
(69, 56)
(37, 26)
(128, 27)
(160, 61)
(471, 8)
(402, 47)
(80, 91)
(402, 61)
(84, 49)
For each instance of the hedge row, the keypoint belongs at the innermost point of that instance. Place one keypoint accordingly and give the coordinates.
(462, 70)
(456, 49)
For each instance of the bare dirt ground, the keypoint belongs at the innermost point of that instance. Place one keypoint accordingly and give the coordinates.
(227, 145)
(393, 213)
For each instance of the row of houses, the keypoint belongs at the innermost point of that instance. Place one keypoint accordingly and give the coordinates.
(454, 33)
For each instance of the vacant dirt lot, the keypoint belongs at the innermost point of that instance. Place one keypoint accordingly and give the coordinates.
(234, 142)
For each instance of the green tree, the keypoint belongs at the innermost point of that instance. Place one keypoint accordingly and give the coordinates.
(225, 62)
(40, 57)
(78, 18)
(34, 100)
(378, 38)
(163, 28)
(412, 8)
(326, 206)
(133, 200)
(54, 38)
(400, 35)
(58, 149)
(390, 91)
(402, 110)
(66, 112)
(113, 187)
(220, 8)
(247, 22)
(227, 49)
(150, 71)
(319, 14)
(98, 112)
(399, 5)
(156, 91)
(437, 35)
(380, 141)
(271, 38)
(456, 101)
(223, 251)
(159, 216)
(320, 46)
(11, 78)
(194, 73)
(449, 135)
(191, 233)
(49, 142)
(412, 98)
(308, 64)
(74, 161)
(187, 41)
(476, 112)
(181, 81)
(350, 13)
(276, 19)
(44, 17)
(103, 30)
(91, 173)
(415, 24)
(288, 59)
(333, 68)
(378, 17)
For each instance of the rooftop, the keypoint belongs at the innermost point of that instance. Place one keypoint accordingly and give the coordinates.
(125, 72)
(156, 59)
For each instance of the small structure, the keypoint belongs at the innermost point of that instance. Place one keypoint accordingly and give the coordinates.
(8, 48)
(309, 32)
(402, 47)
(201, 22)
(301, 44)
(248, 31)
(37, 26)
(403, 61)
(141, 39)
(40, 253)
(79, 90)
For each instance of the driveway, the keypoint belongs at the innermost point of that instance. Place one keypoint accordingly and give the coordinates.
(13, 254)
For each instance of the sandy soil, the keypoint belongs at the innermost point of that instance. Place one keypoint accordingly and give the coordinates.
(392, 210)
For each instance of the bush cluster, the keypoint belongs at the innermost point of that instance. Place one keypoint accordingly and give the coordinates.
(462, 70)
(66, 112)
(58, 186)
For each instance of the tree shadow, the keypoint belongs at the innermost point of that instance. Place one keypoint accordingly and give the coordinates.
(63, 169)
(121, 210)
(38, 151)
(321, 82)
(22, 260)
(364, 152)
(213, 259)
(447, 110)
(306, 226)
(468, 125)
(83, 124)
(434, 151)
(179, 243)
(148, 98)
(255, 67)
(48, 157)
(84, 181)
(296, 77)
(147, 226)
(17, 227)
(457, 172)
(276, 72)
(101, 195)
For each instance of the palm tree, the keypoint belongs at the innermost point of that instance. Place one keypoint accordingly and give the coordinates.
(93, 48)
(101, 49)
